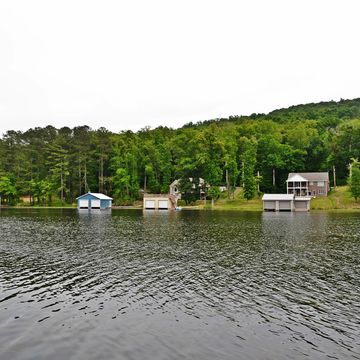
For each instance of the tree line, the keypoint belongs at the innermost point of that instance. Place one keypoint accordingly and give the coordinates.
(257, 152)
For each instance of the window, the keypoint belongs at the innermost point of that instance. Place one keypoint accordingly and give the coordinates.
(321, 191)
(321, 183)
(311, 183)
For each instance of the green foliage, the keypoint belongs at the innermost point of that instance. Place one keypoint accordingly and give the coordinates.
(214, 192)
(248, 158)
(43, 190)
(339, 199)
(7, 190)
(121, 184)
(354, 179)
(190, 189)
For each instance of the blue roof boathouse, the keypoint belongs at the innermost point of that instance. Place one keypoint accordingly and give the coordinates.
(94, 201)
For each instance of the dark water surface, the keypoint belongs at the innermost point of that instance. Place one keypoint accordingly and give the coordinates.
(179, 285)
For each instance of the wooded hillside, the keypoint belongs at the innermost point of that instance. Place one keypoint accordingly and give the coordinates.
(49, 163)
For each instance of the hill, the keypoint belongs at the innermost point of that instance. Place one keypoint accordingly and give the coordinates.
(249, 151)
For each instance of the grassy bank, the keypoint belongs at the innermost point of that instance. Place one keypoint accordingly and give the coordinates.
(338, 199)
(236, 202)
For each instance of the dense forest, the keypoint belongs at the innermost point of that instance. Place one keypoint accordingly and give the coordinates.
(52, 165)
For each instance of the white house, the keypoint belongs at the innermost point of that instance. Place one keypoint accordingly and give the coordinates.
(308, 184)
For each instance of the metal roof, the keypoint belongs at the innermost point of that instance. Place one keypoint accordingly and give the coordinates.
(99, 196)
(311, 176)
(156, 196)
(303, 198)
(274, 197)
(296, 177)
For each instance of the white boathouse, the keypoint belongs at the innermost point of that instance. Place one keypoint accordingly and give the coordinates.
(285, 202)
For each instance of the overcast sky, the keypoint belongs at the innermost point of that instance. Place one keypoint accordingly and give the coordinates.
(128, 64)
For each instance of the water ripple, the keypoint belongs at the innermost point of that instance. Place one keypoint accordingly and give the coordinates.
(180, 285)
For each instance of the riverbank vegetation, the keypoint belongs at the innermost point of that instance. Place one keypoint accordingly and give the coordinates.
(339, 198)
(49, 166)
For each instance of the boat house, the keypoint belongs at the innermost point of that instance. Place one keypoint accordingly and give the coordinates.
(159, 202)
(94, 201)
(285, 202)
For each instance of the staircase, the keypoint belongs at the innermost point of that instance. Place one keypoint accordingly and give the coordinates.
(173, 199)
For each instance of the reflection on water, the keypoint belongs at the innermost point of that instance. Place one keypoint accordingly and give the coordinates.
(179, 285)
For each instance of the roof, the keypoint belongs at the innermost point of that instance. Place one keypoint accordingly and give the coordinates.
(311, 176)
(296, 177)
(278, 197)
(175, 183)
(156, 196)
(303, 198)
(99, 196)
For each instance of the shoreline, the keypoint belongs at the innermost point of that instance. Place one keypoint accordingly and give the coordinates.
(338, 200)
(183, 208)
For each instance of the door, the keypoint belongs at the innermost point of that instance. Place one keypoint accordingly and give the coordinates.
(163, 204)
(83, 204)
(269, 205)
(285, 205)
(95, 204)
(149, 204)
(301, 205)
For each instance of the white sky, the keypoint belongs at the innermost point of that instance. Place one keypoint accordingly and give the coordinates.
(127, 64)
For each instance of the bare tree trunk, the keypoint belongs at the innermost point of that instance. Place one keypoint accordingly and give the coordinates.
(101, 174)
(350, 170)
(243, 174)
(79, 176)
(227, 183)
(61, 183)
(274, 179)
(85, 179)
(334, 173)
(234, 188)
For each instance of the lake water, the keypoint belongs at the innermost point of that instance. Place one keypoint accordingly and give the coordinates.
(179, 285)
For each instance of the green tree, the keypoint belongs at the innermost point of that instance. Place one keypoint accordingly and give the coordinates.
(58, 161)
(354, 182)
(7, 190)
(190, 189)
(43, 190)
(121, 183)
(214, 193)
(248, 158)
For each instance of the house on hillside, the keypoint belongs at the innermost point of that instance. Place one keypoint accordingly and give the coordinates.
(94, 201)
(169, 201)
(175, 191)
(308, 184)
